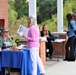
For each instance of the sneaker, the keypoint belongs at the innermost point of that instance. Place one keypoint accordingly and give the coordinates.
(50, 57)
(64, 59)
(71, 60)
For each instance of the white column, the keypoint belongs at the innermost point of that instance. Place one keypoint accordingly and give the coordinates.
(32, 7)
(60, 15)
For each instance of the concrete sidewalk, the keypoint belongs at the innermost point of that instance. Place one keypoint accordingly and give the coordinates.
(60, 68)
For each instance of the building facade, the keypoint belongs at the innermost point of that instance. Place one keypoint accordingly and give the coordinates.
(4, 13)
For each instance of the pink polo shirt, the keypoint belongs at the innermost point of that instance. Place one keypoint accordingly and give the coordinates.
(33, 36)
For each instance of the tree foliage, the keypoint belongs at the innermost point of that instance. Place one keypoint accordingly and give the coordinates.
(51, 23)
(12, 16)
(46, 12)
(69, 7)
(21, 6)
(46, 9)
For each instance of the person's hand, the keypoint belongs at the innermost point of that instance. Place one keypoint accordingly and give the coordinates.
(66, 30)
(24, 36)
(0, 49)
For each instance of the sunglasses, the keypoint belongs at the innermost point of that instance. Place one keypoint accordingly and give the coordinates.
(6, 31)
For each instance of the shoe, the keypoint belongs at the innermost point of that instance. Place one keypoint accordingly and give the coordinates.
(50, 57)
(8, 74)
(64, 59)
(71, 60)
(42, 74)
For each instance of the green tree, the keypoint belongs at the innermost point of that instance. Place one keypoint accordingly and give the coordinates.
(73, 4)
(46, 8)
(21, 6)
(69, 7)
(52, 23)
(11, 3)
(12, 14)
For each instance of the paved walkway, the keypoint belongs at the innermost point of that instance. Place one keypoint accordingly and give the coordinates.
(60, 68)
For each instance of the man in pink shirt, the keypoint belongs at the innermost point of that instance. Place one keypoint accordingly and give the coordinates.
(33, 43)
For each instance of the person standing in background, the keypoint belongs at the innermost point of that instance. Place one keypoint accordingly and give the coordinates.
(71, 37)
(74, 17)
(33, 44)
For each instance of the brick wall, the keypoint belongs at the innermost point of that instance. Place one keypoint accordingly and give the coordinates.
(42, 52)
(61, 46)
(4, 11)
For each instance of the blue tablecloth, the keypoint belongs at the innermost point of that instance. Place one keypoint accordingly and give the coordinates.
(17, 59)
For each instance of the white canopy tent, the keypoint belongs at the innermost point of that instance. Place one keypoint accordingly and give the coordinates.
(32, 11)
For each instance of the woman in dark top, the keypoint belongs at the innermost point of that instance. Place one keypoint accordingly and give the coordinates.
(46, 33)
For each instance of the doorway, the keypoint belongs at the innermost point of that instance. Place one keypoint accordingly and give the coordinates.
(2, 22)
